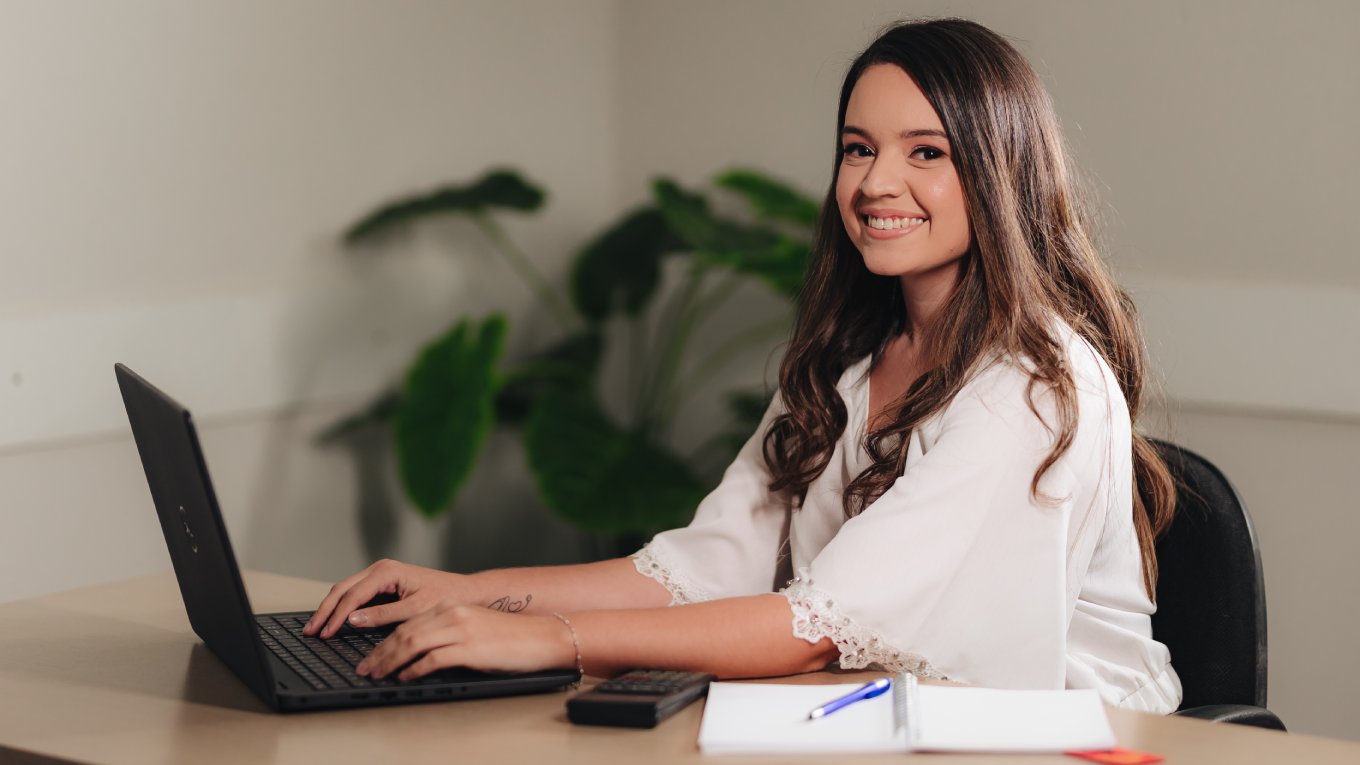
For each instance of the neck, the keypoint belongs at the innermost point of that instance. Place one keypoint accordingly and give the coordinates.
(925, 294)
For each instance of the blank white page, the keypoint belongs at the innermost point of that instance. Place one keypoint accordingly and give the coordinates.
(955, 719)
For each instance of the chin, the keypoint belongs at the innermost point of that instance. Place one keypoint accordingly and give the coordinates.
(878, 267)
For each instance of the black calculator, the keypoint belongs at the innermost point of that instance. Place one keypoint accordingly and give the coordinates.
(638, 699)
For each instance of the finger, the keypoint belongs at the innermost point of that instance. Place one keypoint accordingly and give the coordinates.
(380, 580)
(400, 649)
(390, 613)
(324, 610)
(440, 658)
(397, 644)
(382, 576)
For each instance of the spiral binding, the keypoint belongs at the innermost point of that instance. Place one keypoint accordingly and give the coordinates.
(906, 710)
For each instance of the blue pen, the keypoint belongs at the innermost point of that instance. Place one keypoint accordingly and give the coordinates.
(866, 691)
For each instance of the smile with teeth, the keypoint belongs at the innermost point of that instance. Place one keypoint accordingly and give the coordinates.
(888, 224)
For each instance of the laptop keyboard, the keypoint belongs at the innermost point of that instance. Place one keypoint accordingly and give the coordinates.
(324, 664)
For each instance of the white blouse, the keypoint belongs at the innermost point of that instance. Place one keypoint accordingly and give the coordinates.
(957, 571)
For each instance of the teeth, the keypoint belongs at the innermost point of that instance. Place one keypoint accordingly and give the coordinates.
(888, 224)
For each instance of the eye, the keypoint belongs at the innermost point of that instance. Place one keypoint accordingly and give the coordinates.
(857, 150)
(927, 153)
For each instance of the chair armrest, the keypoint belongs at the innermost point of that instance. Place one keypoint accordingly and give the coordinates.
(1237, 714)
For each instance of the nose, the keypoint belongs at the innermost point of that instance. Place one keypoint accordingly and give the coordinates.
(884, 179)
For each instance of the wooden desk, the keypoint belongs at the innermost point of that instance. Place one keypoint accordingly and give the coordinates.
(114, 674)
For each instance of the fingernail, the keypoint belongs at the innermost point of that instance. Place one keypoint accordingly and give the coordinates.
(308, 626)
(358, 619)
(362, 669)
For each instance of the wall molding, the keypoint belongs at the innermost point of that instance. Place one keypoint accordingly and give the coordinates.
(1273, 350)
(223, 357)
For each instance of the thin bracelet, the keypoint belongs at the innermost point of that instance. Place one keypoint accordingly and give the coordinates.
(576, 644)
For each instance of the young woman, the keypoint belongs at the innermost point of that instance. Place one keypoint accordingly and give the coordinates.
(945, 482)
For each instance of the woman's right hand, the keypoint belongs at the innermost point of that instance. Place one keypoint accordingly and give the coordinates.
(418, 589)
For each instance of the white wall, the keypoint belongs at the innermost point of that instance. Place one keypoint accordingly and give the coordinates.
(172, 179)
(1220, 136)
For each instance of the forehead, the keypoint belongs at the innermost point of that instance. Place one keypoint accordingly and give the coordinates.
(886, 100)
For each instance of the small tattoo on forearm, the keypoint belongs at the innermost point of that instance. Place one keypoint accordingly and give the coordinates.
(511, 606)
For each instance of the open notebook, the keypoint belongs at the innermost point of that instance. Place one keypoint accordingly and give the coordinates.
(751, 718)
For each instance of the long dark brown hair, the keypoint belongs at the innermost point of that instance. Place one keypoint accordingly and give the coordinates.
(1032, 258)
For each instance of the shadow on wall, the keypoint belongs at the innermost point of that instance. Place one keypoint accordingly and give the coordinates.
(374, 492)
(502, 522)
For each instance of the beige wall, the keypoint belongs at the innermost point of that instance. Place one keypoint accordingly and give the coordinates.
(174, 177)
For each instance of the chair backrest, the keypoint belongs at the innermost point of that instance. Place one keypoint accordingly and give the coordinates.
(1211, 603)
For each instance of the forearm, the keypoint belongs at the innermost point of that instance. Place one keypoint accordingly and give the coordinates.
(733, 637)
(609, 584)
(737, 637)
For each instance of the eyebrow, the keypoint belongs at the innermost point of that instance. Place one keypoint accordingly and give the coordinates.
(905, 135)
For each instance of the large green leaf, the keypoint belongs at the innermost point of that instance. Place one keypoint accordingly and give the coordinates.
(782, 264)
(502, 189)
(752, 249)
(446, 410)
(600, 477)
(686, 213)
(770, 198)
(621, 268)
(570, 364)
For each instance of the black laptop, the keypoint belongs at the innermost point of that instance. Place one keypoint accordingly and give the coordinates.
(268, 652)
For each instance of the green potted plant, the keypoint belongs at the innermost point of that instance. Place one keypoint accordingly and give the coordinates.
(618, 479)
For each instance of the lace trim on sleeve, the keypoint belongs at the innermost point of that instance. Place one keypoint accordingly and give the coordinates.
(815, 616)
(650, 561)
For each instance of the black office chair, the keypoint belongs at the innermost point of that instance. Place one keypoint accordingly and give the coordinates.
(1211, 600)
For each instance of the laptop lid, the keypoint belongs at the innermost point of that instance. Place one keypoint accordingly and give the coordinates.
(209, 579)
(215, 597)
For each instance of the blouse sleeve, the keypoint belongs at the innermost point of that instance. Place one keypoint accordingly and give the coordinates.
(957, 570)
(733, 545)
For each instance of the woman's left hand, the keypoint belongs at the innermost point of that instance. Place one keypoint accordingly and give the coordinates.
(457, 635)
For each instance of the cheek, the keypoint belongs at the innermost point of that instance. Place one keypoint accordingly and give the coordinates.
(845, 197)
(944, 195)
(946, 207)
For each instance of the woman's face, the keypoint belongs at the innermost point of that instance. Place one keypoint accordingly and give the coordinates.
(897, 189)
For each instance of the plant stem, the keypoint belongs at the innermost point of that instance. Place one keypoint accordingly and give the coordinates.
(669, 395)
(677, 327)
(728, 351)
(708, 304)
(524, 268)
(636, 351)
